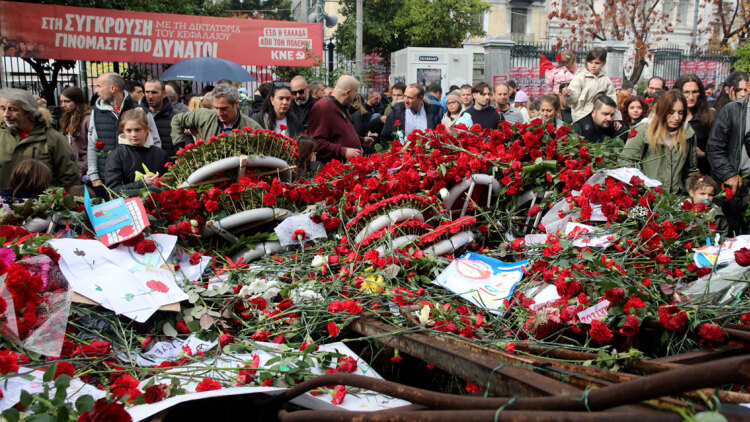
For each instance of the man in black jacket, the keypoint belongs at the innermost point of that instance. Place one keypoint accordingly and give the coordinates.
(597, 126)
(155, 99)
(728, 156)
(412, 114)
(302, 101)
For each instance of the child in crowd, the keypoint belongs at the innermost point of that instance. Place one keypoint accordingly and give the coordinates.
(564, 72)
(521, 103)
(701, 189)
(135, 150)
(534, 108)
(307, 157)
(588, 84)
(27, 181)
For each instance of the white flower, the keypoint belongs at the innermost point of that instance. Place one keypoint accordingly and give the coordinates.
(444, 194)
(424, 315)
(318, 261)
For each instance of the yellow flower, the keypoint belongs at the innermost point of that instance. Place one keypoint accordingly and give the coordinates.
(373, 284)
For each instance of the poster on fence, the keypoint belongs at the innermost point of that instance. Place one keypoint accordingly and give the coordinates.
(706, 70)
(78, 33)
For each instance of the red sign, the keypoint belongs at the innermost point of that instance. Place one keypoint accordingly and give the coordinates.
(78, 33)
(496, 79)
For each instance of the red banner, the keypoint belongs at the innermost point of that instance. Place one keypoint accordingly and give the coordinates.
(78, 33)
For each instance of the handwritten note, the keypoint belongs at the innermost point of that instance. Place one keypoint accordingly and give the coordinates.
(598, 311)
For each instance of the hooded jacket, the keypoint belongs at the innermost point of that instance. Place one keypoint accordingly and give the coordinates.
(584, 88)
(105, 127)
(123, 162)
(42, 143)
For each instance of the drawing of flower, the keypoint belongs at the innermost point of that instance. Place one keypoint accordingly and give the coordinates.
(157, 285)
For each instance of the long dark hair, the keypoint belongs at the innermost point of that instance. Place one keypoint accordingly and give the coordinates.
(70, 122)
(624, 110)
(268, 109)
(701, 108)
(733, 83)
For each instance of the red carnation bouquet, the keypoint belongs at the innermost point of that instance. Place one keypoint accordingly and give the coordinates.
(34, 301)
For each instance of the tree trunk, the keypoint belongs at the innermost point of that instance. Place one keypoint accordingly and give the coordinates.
(638, 67)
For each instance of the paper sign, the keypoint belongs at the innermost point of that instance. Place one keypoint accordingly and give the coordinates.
(285, 230)
(710, 255)
(626, 173)
(482, 280)
(13, 385)
(584, 237)
(117, 220)
(598, 311)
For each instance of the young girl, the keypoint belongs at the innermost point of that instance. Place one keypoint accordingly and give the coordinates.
(27, 181)
(633, 110)
(549, 109)
(701, 189)
(588, 84)
(135, 150)
(74, 124)
(563, 72)
(521, 102)
(664, 148)
(307, 157)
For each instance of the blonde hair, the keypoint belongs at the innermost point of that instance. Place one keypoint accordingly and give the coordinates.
(137, 115)
(658, 128)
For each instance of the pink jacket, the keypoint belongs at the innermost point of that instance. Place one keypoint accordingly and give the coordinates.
(559, 75)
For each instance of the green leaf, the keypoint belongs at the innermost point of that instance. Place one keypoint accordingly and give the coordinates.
(41, 418)
(11, 415)
(49, 373)
(169, 329)
(26, 398)
(84, 404)
(63, 414)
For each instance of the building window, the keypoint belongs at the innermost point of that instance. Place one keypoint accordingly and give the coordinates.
(518, 20)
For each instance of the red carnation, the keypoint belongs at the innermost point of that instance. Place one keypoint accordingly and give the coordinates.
(207, 385)
(99, 145)
(105, 411)
(339, 394)
(145, 246)
(154, 394)
(397, 123)
(64, 368)
(347, 364)
(711, 332)
(742, 257)
(630, 327)
(195, 258)
(472, 388)
(51, 253)
(333, 329)
(8, 362)
(225, 339)
(182, 327)
(600, 332)
(299, 235)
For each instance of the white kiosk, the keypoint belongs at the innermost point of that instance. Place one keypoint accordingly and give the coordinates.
(426, 65)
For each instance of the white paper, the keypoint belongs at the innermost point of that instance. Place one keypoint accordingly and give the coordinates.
(626, 173)
(12, 387)
(285, 230)
(119, 281)
(543, 295)
(598, 311)
(585, 237)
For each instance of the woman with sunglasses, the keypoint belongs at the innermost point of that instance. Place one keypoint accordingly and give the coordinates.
(275, 116)
(700, 116)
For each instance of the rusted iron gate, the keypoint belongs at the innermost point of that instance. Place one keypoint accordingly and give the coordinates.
(540, 384)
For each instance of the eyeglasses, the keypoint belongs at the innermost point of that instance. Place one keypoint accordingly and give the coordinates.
(299, 91)
(691, 93)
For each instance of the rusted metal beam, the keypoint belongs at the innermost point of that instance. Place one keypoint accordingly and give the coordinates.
(500, 378)
(473, 416)
(703, 355)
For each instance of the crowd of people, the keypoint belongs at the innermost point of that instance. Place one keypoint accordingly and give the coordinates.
(685, 136)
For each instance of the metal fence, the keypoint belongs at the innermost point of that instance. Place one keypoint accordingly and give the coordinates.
(711, 66)
(17, 73)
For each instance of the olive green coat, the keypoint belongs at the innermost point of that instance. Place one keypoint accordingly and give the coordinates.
(671, 166)
(44, 144)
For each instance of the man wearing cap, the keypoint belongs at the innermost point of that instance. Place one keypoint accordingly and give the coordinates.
(501, 98)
